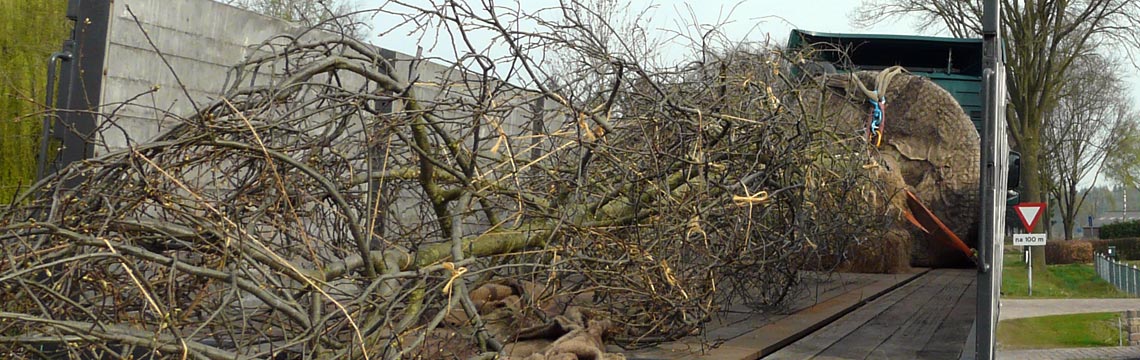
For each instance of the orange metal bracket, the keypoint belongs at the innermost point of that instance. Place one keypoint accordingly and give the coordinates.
(925, 220)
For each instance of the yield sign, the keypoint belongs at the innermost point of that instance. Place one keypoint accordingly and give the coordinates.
(1029, 213)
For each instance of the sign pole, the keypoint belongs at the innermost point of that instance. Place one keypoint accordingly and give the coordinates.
(1029, 251)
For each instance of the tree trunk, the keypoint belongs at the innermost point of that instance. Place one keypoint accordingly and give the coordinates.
(1031, 186)
(1069, 213)
(1067, 222)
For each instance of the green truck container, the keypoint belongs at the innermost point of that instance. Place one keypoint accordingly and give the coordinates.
(954, 64)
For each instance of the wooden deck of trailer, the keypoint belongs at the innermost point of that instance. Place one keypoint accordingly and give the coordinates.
(929, 318)
(927, 314)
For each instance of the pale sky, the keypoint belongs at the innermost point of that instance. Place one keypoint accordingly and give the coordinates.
(746, 20)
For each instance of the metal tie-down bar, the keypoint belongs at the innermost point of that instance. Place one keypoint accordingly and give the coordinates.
(992, 188)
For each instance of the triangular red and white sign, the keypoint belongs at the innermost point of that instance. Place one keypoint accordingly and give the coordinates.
(1029, 213)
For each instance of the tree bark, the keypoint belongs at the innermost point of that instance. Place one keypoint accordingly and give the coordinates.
(1031, 183)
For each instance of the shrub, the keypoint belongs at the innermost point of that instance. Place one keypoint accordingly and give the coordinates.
(1126, 229)
(1126, 248)
(1068, 252)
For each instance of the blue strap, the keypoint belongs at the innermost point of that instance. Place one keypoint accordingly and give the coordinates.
(876, 120)
(876, 115)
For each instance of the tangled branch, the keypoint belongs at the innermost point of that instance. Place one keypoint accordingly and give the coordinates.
(337, 202)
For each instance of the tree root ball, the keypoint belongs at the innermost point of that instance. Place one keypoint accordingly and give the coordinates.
(932, 146)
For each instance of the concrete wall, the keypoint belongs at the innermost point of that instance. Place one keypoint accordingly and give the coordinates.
(199, 39)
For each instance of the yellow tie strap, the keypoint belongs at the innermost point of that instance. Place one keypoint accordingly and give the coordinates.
(759, 198)
(455, 274)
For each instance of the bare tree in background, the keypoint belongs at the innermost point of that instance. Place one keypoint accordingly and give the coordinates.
(1087, 124)
(1043, 39)
(613, 32)
(1122, 165)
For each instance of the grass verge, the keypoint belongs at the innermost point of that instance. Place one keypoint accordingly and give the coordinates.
(1057, 281)
(1060, 331)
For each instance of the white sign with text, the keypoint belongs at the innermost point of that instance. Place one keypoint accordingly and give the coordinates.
(1029, 239)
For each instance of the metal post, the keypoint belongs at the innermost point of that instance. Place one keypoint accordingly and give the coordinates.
(1127, 277)
(49, 121)
(1030, 257)
(1112, 273)
(1132, 284)
(1116, 274)
(993, 163)
(1119, 276)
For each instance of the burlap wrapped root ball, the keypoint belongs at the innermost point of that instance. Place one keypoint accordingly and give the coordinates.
(930, 144)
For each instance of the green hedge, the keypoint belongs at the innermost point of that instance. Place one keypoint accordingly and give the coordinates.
(1126, 249)
(1068, 252)
(1126, 229)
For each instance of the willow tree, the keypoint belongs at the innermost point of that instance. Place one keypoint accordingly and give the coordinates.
(1042, 41)
(29, 32)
